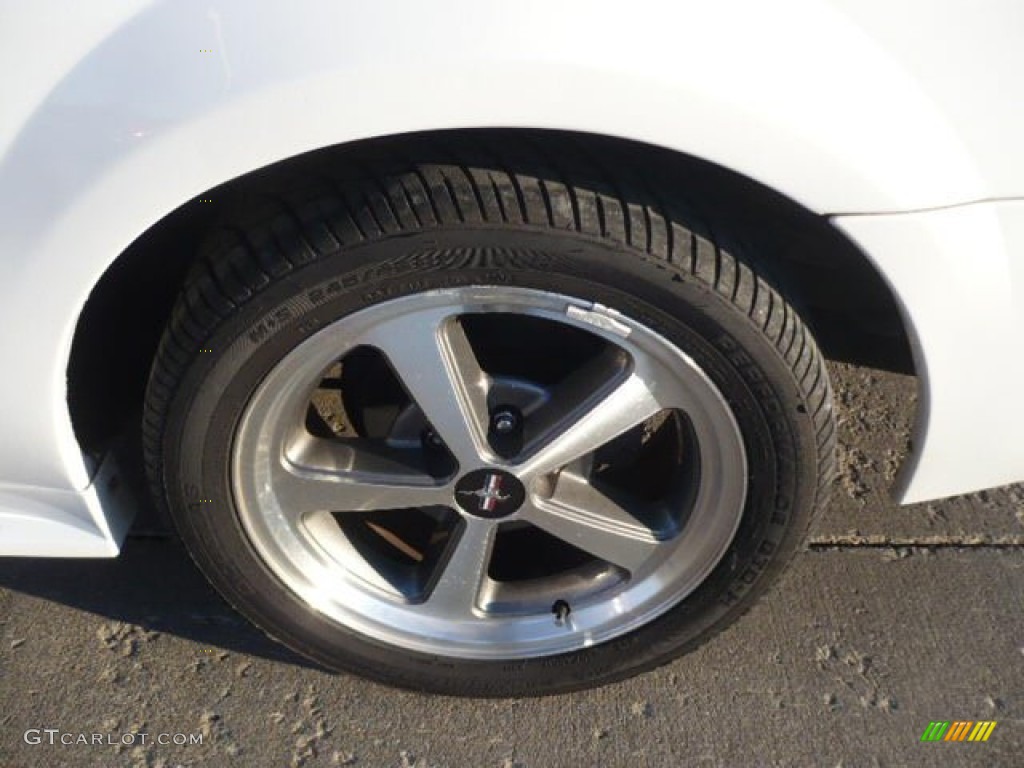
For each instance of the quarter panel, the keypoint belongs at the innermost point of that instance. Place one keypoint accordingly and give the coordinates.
(147, 104)
(958, 273)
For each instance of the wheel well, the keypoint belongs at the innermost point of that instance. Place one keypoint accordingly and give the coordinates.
(844, 300)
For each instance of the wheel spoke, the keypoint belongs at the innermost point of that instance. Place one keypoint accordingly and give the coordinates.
(331, 475)
(438, 368)
(457, 590)
(581, 515)
(630, 403)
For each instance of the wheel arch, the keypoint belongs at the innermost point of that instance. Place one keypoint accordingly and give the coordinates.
(846, 301)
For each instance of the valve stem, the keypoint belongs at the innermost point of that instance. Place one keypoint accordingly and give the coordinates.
(561, 610)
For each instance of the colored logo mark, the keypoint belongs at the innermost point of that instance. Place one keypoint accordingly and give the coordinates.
(958, 730)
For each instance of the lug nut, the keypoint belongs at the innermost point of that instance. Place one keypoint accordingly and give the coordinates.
(504, 421)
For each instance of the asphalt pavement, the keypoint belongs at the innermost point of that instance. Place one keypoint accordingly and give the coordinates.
(891, 618)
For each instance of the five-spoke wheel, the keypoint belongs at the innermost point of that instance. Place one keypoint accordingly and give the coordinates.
(627, 472)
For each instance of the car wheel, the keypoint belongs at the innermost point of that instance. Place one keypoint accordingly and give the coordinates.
(470, 429)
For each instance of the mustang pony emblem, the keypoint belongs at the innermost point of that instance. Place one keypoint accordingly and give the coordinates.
(490, 494)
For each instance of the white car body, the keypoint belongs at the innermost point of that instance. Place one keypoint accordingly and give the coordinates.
(900, 122)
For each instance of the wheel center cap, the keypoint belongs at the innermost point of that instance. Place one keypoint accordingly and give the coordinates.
(489, 493)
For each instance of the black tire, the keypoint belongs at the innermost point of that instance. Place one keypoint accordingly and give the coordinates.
(320, 249)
